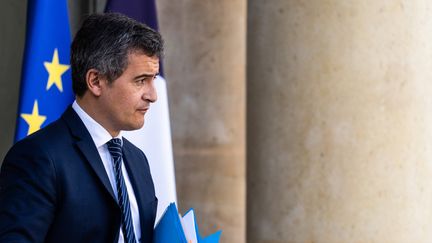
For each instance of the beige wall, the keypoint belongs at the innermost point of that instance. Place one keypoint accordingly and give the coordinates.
(339, 121)
(205, 70)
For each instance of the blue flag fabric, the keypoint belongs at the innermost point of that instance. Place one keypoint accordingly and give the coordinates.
(143, 11)
(46, 88)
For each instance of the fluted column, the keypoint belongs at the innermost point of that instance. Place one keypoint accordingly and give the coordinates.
(205, 71)
(339, 121)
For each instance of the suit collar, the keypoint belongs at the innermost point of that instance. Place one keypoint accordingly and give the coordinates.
(85, 144)
(98, 133)
(131, 161)
(136, 165)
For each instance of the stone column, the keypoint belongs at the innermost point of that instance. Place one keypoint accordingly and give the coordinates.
(339, 121)
(205, 71)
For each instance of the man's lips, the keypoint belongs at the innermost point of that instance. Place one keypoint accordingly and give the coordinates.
(143, 110)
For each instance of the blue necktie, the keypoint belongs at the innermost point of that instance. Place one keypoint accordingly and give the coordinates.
(115, 149)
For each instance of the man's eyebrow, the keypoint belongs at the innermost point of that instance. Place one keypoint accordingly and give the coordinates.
(146, 76)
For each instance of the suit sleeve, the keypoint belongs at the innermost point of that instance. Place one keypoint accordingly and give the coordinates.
(27, 194)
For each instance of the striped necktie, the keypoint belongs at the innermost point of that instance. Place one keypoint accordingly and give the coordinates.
(115, 149)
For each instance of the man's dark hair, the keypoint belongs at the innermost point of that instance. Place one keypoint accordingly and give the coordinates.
(104, 41)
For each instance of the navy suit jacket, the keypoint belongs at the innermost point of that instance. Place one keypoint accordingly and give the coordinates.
(54, 188)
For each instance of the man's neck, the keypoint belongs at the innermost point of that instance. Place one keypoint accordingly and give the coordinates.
(91, 110)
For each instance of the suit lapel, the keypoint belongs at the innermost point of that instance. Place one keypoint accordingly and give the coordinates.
(86, 145)
(136, 168)
(90, 152)
(131, 162)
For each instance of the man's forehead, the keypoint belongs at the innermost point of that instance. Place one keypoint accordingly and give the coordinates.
(139, 52)
(151, 61)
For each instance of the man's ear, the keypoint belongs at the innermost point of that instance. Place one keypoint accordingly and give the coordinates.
(94, 82)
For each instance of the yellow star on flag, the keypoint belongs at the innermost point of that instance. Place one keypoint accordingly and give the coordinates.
(34, 120)
(55, 71)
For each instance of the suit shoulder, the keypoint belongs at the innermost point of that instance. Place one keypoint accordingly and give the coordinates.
(56, 129)
(49, 136)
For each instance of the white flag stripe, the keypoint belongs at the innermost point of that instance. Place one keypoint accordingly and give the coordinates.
(154, 139)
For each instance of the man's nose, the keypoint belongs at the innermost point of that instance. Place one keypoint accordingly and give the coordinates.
(151, 92)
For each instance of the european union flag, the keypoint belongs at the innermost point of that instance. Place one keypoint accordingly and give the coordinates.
(46, 87)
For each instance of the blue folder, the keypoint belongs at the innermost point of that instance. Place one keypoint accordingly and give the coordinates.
(169, 229)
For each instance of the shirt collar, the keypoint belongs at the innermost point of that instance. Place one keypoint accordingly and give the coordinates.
(98, 133)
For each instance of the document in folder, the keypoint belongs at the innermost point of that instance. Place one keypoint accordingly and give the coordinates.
(173, 229)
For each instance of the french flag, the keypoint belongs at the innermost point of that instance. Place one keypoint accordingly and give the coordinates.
(154, 139)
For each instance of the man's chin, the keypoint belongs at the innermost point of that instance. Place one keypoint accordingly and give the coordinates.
(134, 127)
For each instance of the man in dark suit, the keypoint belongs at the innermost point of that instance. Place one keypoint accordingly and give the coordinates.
(78, 180)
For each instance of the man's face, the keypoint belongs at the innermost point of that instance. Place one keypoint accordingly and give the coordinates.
(126, 100)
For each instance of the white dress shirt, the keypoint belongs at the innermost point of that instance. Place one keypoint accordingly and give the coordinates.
(100, 137)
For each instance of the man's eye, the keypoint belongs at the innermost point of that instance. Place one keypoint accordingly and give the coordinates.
(142, 81)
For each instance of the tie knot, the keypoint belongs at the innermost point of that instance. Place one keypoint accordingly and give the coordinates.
(115, 147)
